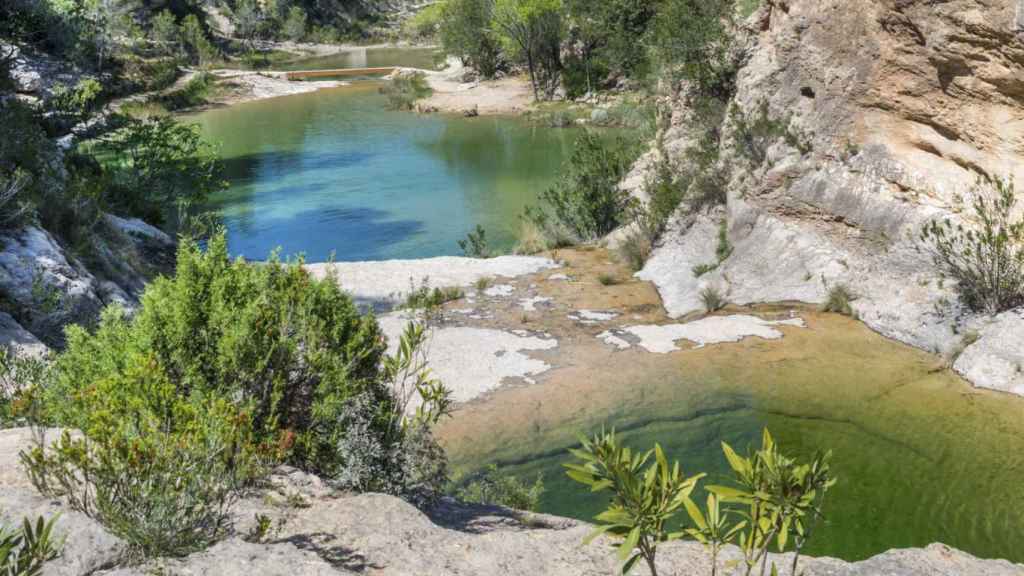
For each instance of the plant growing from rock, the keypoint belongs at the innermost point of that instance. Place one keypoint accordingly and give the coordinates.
(839, 300)
(645, 497)
(26, 549)
(712, 527)
(712, 299)
(987, 259)
(404, 90)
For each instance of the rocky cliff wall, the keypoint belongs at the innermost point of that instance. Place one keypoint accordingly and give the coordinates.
(904, 105)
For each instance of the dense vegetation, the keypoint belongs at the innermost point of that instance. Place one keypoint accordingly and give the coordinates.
(227, 369)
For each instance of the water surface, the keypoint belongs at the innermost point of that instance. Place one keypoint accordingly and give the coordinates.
(921, 456)
(334, 171)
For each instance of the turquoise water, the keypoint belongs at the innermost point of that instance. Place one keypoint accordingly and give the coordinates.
(335, 172)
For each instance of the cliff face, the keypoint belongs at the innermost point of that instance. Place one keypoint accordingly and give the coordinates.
(904, 104)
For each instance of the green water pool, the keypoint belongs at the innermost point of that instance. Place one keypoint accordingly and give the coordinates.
(335, 172)
(921, 457)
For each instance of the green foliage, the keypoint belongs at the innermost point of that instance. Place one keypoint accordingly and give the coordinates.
(475, 244)
(15, 206)
(425, 24)
(429, 300)
(780, 499)
(724, 249)
(74, 104)
(712, 299)
(25, 550)
(702, 269)
(692, 40)
(985, 259)
(465, 32)
(608, 279)
(492, 487)
(194, 93)
(636, 249)
(159, 168)
(201, 51)
(20, 376)
(607, 40)
(839, 300)
(403, 91)
(295, 24)
(165, 33)
(532, 31)
(587, 200)
(645, 495)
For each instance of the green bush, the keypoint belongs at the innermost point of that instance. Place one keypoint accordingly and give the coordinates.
(645, 497)
(20, 376)
(159, 169)
(403, 91)
(475, 244)
(74, 104)
(587, 200)
(494, 488)
(693, 41)
(776, 501)
(228, 367)
(465, 33)
(985, 259)
(194, 93)
(25, 550)
(839, 300)
(712, 299)
(295, 24)
(424, 24)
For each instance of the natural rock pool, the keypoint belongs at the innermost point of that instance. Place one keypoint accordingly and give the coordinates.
(334, 171)
(921, 456)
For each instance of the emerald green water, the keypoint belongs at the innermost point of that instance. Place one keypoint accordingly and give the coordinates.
(335, 172)
(921, 457)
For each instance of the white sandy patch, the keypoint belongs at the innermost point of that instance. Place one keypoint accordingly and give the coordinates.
(611, 339)
(710, 330)
(387, 281)
(557, 277)
(593, 316)
(500, 291)
(474, 361)
(530, 304)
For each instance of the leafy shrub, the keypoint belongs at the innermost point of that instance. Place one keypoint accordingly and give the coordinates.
(712, 299)
(635, 249)
(424, 24)
(492, 487)
(986, 260)
(159, 169)
(839, 300)
(777, 501)
(702, 269)
(74, 104)
(24, 550)
(465, 33)
(475, 244)
(724, 249)
(644, 498)
(608, 279)
(15, 206)
(428, 301)
(20, 377)
(403, 91)
(194, 93)
(587, 200)
(295, 24)
(692, 39)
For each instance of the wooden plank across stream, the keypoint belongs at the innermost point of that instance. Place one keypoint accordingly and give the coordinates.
(300, 74)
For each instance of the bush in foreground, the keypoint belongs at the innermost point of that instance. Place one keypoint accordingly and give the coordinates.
(494, 488)
(24, 550)
(228, 368)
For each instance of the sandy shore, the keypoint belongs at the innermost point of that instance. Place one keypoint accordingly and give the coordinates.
(509, 95)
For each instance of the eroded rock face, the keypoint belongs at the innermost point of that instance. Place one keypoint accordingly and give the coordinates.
(902, 106)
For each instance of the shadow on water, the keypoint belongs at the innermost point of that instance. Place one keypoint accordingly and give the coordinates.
(248, 169)
(369, 233)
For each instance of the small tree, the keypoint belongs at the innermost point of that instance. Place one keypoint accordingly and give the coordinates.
(475, 244)
(165, 33)
(465, 33)
(987, 260)
(644, 497)
(295, 24)
(533, 30)
(693, 42)
(587, 200)
(203, 52)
